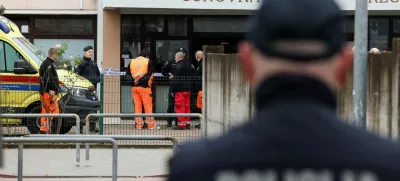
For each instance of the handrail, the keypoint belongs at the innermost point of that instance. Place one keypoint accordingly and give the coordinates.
(77, 118)
(169, 115)
(22, 140)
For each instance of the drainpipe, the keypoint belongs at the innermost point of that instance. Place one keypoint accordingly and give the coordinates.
(80, 4)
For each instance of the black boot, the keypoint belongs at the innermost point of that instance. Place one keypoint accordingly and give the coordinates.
(169, 123)
(93, 128)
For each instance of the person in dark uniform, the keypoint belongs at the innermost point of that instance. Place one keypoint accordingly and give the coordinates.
(198, 78)
(89, 70)
(295, 62)
(49, 89)
(181, 86)
(168, 70)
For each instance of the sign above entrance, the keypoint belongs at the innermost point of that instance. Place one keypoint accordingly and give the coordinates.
(232, 5)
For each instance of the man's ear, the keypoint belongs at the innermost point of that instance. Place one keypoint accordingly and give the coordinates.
(245, 50)
(345, 64)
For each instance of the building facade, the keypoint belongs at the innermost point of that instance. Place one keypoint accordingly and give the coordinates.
(119, 29)
(48, 22)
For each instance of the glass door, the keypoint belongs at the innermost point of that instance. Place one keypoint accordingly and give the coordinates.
(165, 50)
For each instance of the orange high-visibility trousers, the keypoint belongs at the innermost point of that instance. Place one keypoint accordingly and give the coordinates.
(49, 106)
(142, 97)
(200, 100)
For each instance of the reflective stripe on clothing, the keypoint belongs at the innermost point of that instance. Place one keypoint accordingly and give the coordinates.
(142, 98)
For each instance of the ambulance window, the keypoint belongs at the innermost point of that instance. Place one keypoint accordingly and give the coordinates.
(11, 56)
(2, 58)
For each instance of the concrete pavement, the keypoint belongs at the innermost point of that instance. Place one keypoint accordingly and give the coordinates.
(61, 162)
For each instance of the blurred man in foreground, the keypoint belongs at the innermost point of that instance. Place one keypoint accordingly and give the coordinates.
(295, 62)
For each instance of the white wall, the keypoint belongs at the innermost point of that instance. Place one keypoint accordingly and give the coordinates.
(232, 5)
(228, 95)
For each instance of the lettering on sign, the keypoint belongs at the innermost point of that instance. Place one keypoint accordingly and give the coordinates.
(383, 1)
(295, 175)
(233, 1)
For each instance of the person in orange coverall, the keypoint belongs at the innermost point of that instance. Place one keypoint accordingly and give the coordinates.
(141, 70)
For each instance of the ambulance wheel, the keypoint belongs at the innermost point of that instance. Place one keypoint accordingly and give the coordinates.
(31, 122)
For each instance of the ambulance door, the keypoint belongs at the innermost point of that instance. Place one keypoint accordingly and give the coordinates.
(14, 89)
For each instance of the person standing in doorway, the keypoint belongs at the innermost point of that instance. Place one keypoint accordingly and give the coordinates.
(181, 89)
(141, 70)
(49, 89)
(90, 71)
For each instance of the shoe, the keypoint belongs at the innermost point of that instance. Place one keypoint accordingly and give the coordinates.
(187, 126)
(198, 126)
(169, 124)
(42, 132)
(178, 128)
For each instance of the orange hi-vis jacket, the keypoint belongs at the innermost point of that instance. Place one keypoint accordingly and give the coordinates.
(141, 70)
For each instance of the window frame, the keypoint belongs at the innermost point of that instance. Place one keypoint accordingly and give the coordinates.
(5, 57)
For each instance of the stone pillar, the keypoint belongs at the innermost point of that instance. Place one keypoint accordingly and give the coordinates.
(111, 59)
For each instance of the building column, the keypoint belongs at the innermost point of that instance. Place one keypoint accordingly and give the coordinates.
(110, 53)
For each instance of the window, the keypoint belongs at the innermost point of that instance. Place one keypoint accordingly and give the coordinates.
(130, 26)
(379, 33)
(396, 25)
(8, 55)
(64, 26)
(177, 26)
(349, 26)
(166, 49)
(222, 25)
(154, 24)
(75, 46)
(2, 57)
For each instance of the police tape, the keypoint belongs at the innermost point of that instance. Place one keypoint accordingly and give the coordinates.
(110, 71)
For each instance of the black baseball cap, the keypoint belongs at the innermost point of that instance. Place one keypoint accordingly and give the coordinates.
(181, 50)
(279, 23)
(87, 48)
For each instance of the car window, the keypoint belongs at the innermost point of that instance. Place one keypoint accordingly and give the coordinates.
(11, 56)
(2, 57)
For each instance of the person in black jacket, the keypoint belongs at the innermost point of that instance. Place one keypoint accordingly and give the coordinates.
(168, 70)
(49, 88)
(181, 86)
(198, 81)
(295, 62)
(89, 70)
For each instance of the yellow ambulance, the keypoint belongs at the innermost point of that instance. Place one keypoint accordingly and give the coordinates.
(19, 83)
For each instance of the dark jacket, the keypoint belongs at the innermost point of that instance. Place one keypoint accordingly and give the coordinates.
(182, 80)
(295, 130)
(168, 67)
(144, 81)
(89, 69)
(198, 76)
(48, 77)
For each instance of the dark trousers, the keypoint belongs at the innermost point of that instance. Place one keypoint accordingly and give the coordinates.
(171, 106)
(93, 121)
